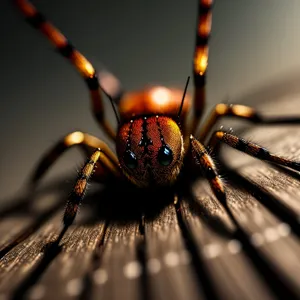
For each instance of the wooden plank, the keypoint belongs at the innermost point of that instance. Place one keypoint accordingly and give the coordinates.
(16, 266)
(64, 277)
(281, 185)
(119, 273)
(17, 225)
(12, 227)
(272, 236)
(228, 266)
(169, 264)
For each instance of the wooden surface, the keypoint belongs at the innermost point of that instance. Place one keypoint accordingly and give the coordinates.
(189, 251)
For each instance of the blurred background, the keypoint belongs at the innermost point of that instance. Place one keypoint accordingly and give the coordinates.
(255, 44)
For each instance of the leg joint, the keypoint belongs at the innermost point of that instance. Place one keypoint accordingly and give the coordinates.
(222, 109)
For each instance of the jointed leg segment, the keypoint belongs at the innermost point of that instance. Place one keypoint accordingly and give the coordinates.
(208, 169)
(199, 69)
(86, 142)
(251, 149)
(81, 185)
(201, 58)
(83, 66)
(239, 111)
(222, 110)
(102, 156)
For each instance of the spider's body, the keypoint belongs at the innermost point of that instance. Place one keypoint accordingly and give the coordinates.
(154, 135)
(150, 139)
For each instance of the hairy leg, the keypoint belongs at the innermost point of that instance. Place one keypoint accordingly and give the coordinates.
(250, 148)
(208, 169)
(79, 189)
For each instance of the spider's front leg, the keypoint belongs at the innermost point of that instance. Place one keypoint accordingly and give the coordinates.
(80, 186)
(208, 169)
(250, 148)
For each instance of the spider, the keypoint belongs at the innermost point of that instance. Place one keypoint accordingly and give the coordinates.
(155, 141)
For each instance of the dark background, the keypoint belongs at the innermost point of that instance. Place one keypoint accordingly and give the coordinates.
(254, 44)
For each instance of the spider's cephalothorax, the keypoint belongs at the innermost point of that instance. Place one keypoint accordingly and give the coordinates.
(150, 143)
(150, 150)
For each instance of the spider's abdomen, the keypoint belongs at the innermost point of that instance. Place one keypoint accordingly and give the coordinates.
(153, 100)
(150, 150)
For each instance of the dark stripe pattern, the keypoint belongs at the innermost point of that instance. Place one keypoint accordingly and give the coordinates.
(36, 20)
(79, 189)
(202, 38)
(207, 168)
(254, 150)
(93, 83)
(145, 140)
(67, 50)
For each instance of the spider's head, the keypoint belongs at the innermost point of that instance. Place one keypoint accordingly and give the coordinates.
(150, 150)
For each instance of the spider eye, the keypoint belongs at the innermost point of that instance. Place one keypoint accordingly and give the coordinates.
(165, 156)
(130, 159)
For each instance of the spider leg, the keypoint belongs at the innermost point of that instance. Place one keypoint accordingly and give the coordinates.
(201, 58)
(87, 143)
(239, 111)
(79, 189)
(251, 149)
(83, 66)
(209, 171)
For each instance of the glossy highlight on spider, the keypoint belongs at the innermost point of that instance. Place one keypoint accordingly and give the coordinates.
(155, 141)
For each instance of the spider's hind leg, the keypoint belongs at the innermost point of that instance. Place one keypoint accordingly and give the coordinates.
(251, 149)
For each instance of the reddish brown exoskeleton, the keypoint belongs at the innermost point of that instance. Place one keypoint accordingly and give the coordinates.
(154, 137)
(150, 146)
